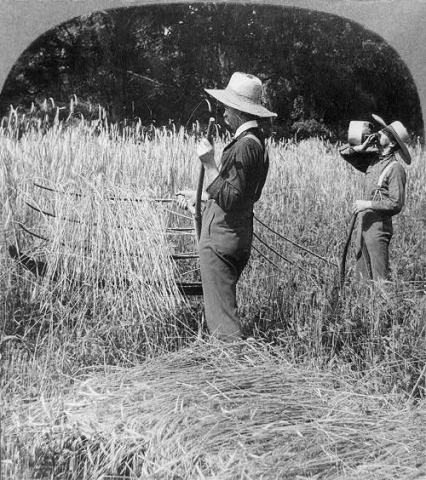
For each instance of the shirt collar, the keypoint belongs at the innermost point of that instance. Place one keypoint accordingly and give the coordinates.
(384, 158)
(245, 126)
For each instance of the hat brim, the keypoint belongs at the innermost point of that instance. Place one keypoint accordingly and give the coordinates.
(239, 103)
(405, 154)
(379, 120)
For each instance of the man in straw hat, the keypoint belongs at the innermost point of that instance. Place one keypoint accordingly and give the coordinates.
(374, 155)
(232, 189)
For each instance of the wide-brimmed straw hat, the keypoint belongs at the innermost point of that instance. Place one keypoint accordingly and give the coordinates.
(244, 93)
(399, 133)
(358, 131)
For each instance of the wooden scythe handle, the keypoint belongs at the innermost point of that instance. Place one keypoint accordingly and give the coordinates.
(197, 217)
(345, 250)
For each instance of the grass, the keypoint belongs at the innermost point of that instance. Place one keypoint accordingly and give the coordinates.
(108, 311)
(208, 411)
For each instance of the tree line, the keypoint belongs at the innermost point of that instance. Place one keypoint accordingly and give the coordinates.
(152, 63)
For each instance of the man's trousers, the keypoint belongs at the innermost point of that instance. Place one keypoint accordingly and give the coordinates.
(224, 249)
(373, 242)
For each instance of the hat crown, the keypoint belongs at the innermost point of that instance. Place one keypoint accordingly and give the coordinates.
(400, 130)
(247, 86)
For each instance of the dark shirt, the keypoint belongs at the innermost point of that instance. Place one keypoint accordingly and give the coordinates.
(389, 198)
(242, 175)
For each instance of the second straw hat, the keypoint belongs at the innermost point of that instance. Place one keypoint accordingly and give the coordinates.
(400, 134)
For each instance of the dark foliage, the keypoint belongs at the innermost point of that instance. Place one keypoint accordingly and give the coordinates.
(321, 71)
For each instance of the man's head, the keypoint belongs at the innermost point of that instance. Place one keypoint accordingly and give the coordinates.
(234, 118)
(394, 136)
(386, 139)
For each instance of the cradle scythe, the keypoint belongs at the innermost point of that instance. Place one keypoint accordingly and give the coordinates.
(197, 215)
(345, 250)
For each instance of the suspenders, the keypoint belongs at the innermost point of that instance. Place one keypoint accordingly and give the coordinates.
(265, 156)
(381, 179)
(250, 135)
(385, 171)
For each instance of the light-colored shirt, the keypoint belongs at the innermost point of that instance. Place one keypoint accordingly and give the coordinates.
(245, 126)
(389, 197)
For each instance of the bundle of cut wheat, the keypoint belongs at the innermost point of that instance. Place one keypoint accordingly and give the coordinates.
(209, 411)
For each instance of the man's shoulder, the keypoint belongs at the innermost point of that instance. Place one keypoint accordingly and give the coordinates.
(391, 169)
(399, 169)
(251, 138)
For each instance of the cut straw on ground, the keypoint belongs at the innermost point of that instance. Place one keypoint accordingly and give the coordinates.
(221, 412)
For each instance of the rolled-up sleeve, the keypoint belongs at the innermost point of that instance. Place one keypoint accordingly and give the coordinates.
(360, 161)
(229, 188)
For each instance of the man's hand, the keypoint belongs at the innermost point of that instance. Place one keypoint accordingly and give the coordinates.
(369, 143)
(361, 205)
(186, 199)
(205, 152)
